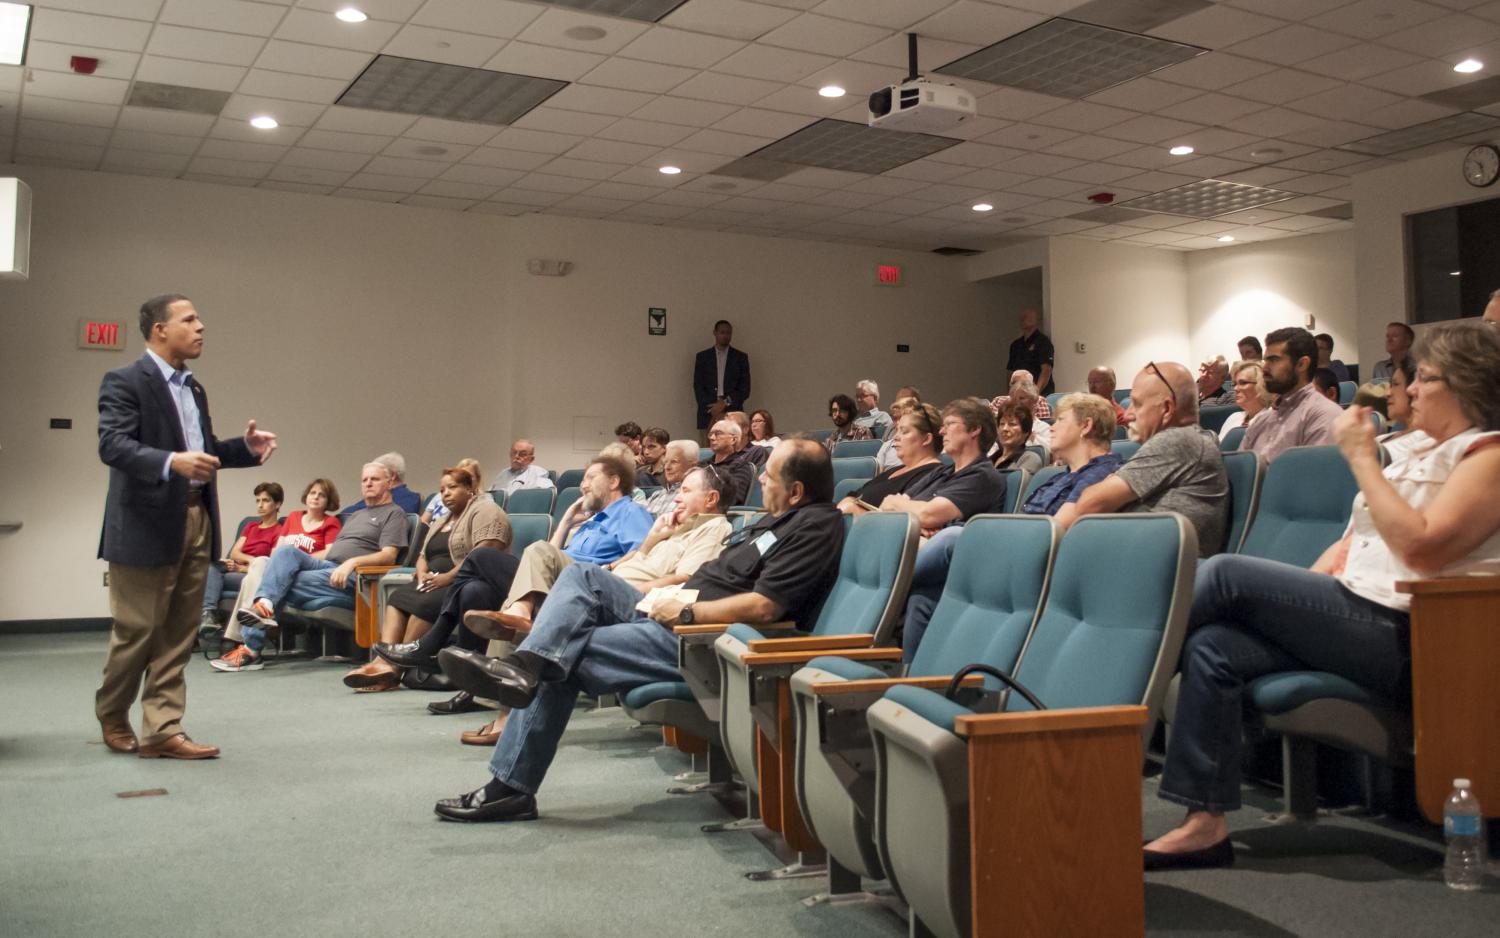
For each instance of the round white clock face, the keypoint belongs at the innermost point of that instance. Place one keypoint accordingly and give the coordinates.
(1482, 166)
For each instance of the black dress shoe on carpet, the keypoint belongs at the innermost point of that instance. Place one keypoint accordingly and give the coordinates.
(1216, 856)
(406, 655)
(516, 806)
(497, 678)
(461, 702)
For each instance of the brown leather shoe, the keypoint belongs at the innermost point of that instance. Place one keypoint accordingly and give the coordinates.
(179, 747)
(119, 737)
(486, 735)
(498, 626)
(369, 674)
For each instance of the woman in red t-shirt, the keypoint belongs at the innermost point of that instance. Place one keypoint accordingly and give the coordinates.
(256, 540)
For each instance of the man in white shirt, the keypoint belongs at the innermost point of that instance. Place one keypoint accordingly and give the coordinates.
(522, 473)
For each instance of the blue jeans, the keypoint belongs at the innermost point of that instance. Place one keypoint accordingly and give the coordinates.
(595, 643)
(1253, 617)
(298, 578)
(927, 580)
(213, 586)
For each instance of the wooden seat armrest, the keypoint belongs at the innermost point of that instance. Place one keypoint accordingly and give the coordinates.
(718, 628)
(803, 657)
(812, 643)
(1048, 721)
(376, 569)
(881, 685)
(1449, 585)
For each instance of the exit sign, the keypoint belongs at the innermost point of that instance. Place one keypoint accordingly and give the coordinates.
(93, 333)
(887, 275)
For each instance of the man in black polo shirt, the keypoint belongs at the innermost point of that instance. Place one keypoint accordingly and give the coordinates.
(1033, 352)
(781, 567)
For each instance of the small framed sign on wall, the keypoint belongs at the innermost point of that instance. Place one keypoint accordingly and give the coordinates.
(656, 320)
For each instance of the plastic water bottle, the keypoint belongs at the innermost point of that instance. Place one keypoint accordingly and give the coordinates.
(1463, 826)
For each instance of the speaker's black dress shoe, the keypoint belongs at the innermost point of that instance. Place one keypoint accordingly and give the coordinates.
(497, 678)
(461, 702)
(1215, 856)
(406, 655)
(515, 806)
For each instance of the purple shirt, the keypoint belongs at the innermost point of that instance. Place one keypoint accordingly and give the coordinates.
(1301, 418)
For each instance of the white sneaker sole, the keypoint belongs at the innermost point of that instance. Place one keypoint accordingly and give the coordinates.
(219, 664)
(253, 619)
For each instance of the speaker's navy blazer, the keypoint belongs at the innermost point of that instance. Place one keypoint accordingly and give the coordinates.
(145, 516)
(706, 380)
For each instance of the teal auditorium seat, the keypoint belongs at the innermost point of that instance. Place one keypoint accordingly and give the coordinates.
(753, 498)
(337, 612)
(1230, 442)
(1212, 418)
(526, 529)
(565, 499)
(854, 448)
(705, 455)
(1347, 390)
(1035, 482)
(1015, 485)
(1124, 449)
(498, 498)
(1121, 433)
(819, 435)
(854, 467)
(530, 501)
(1100, 641)
(868, 597)
(847, 487)
(1304, 506)
(1042, 454)
(1246, 472)
(569, 478)
(989, 605)
(1053, 398)
(1122, 397)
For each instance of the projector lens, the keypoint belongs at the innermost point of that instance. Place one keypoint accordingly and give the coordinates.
(880, 102)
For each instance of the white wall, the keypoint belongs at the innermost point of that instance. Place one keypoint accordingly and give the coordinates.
(349, 328)
(1254, 288)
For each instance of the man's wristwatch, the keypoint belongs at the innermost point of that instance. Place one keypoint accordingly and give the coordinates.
(686, 615)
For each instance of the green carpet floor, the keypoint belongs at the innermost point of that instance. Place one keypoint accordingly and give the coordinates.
(318, 821)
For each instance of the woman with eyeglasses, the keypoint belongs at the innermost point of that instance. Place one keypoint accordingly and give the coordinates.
(1249, 393)
(917, 439)
(1431, 513)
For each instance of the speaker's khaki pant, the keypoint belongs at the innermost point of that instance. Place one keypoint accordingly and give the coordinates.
(156, 612)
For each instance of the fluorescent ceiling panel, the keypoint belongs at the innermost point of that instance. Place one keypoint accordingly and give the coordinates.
(15, 22)
(646, 11)
(1420, 135)
(1069, 59)
(1208, 198)
(453, 92)
(835, 144)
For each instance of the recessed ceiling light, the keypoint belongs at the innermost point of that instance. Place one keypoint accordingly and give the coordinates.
(1180, 150)
(432, 150)
(1267, 152)
(351, 15)
(264, 122)
(585, 33)
(1454, 273)
(1468, 65)
(1225, 239)
(15, 19)
(983, 207)
(831, 91)
(670, 170)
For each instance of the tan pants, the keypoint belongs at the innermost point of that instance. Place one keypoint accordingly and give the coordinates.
(248, 586)
(541, 565)
(156, 612)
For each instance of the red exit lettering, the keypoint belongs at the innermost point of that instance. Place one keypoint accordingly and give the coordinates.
(887, 274)
(101, 334)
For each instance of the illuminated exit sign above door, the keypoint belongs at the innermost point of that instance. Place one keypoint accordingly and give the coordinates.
(93, 333)
(887, 275)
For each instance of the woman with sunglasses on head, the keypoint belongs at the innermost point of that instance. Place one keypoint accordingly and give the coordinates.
(917, 439)
(1431, 513)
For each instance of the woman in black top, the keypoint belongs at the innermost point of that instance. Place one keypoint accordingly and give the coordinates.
(918, 437)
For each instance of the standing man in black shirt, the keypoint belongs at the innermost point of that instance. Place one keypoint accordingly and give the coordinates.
(1033, 352)
(590, 638)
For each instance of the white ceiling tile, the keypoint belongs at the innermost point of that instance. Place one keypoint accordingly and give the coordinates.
(1273, 121)
(648, 176)
(1212, 108)
(132, 9)
(242, 107)
(155, 143)
(542, 182)
(646, 132)
(1307, 203)
(1324, 161)
(1218, 140)
(437, 202)
(581, 169)
(1143, 94)
(1439, 37)
(385, 183)
(54, 56)
(727, 89)
(490, 177)
(305, 188)
(55, 132)
(1015, 104)
(369, 195)
(443, 45)
(1371, 19)
(427, 150)
(1091, 148)
(535, 141)
(596, 100)
(688, 199)
(203, 45)
(1213, 71)
(320, 29)
(1405, 114)
(234, 16)
(623, 191)
(395, 166)
(762, 123)
(105, 32)
(559, 121)
(235, 150)
(892, 14)
(523, 58)
(344, 141)
(487, 17)
(1097, 173)
(325, 160)
(1049, 188)
(969, 22)
(1331, 133)
(1312, 183)
(364, 121)
(1282, 86)
(1028, 137)
(673, 110)
(1209, 167)
(226, 128)
(1216, 26)
(1149, 128)
(54, 150)
(251, 169)
(1084, 117)
(770, 64)
(736, 19)
(292, 87)
(1038, 164)
(89, 88)
(502, 208)
(613, 151)
(679, 47)
(1292, 44)
(812, 33)
(299, 58)
(1347, 100)
(191, 74)
(552, 27)
(152, 120)
(498, 158)
(1361, 61)
(726, 144)
(1426, 76)
(981, 155)
(638, 76)
(135, 161)
(446, 131)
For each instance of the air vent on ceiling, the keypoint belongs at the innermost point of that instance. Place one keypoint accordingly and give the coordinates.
(176, 98)
(835, 144)
(647, 11)
(1109, 215)
(1468, 96)
(1135, 16)
(1069, 59)
(454, 92)
(956, 252)
(1343, 211)
(1420, 135)
(1208, 198)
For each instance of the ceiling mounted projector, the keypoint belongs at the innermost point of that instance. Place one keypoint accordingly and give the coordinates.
(919, 105)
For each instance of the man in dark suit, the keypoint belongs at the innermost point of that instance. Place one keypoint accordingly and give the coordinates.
(161, 527)
(721, 378)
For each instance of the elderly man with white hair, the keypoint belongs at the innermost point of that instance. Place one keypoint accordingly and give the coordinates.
(680, 458)
(395, 464)
(869, 414)
(729, 461)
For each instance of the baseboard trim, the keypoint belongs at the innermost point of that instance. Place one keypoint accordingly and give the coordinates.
(52, 626)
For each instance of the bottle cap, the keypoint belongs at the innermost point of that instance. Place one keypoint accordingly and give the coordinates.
(1461, 783)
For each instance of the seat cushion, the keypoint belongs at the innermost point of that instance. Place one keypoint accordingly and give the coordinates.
(327, 602)
(929, 705)
(846, 669)
(1288, 690)
(744, 633)
(651, 693)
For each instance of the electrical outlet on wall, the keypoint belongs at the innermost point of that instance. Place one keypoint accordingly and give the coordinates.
(1080, 348)
(106, 578)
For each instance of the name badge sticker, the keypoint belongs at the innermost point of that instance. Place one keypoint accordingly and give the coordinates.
(765, 542)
